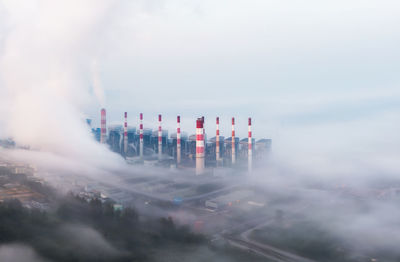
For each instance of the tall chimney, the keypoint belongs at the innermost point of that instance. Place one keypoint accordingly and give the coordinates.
(103, 127)
(141, 136)
(217, 143)
(204, 133)
(178, 141)
(159, 138)
(250, 153)
(199, 147)
(233, 142)
(126, 133)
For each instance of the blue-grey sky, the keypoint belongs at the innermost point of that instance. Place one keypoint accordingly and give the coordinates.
(282, 62)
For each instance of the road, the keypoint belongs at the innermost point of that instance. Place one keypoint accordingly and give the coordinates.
(240, 238)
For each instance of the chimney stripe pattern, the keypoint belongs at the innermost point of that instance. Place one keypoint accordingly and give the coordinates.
(199, 146)
(126, 133)
(233, 142)
(159, 137)
(141, 135)
(178, 140)
(250, 149)
(217, 142)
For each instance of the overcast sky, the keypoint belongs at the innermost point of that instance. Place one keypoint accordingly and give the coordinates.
(316, 76)
(282, 62)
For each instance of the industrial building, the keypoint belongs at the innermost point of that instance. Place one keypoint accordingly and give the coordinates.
(180, 148)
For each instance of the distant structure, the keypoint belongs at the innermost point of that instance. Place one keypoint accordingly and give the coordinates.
(178, 141)
(250, 149)
(144, 145)
(89, 122)
(217, 149)
(116, 138)
(200, 146)
(159, 138)
(103, 135)
(141, 136)
(233, 142)
(126, 134)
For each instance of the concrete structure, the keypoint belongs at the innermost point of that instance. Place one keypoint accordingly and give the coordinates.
(233, 142)
(179, 149)
(199, 147)
(217, 145)
(103, 134)
(126, 133)
(159, 138)
(250, 148)
(115, 138)
(178, 141)
(263, 147)
(141, 136)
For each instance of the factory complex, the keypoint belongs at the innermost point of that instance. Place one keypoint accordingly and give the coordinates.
(156, 147)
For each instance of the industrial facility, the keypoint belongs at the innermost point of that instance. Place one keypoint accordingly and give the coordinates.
(157, 147)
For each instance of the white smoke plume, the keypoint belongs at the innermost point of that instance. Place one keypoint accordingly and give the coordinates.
(18, 253)
(48, 76)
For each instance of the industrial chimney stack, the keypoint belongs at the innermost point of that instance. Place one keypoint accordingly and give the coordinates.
(103, 127)
(217, 143)
(199, 146)
(126, 133)
(233, 142)
(250, 152)
(141, 136)
(159, 138)
(178, 141)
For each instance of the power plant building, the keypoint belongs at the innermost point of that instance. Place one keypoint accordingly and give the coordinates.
(213, 155)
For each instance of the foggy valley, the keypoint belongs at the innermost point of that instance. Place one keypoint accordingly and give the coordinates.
(199, 130)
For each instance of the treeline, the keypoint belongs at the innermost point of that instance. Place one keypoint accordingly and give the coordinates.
(99, 233)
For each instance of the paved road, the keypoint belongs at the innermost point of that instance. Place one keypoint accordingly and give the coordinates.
(266, 251)
(242, 240)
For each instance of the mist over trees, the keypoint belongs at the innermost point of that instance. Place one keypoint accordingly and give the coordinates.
(81, 231)
(77, 230)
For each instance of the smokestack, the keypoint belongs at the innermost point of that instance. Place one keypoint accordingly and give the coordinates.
(103, 127)
(126, 133)
(204, 133)
(233, 142)
(217, 142)
(178, 141)
(141, 136)
(159, 138)
(199, 146)
(250, 152)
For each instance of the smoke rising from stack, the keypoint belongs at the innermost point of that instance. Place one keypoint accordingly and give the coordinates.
(46, 89)
(46, 81)
(103, 126)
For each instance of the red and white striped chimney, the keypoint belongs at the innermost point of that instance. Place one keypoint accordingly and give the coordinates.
(159, 138)
(178, 140)
(103, 127)
(204, 134)
(141, 136)
(199, 146)
(250, 152)
(126, 133)
(217, 142)
(233, 142)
